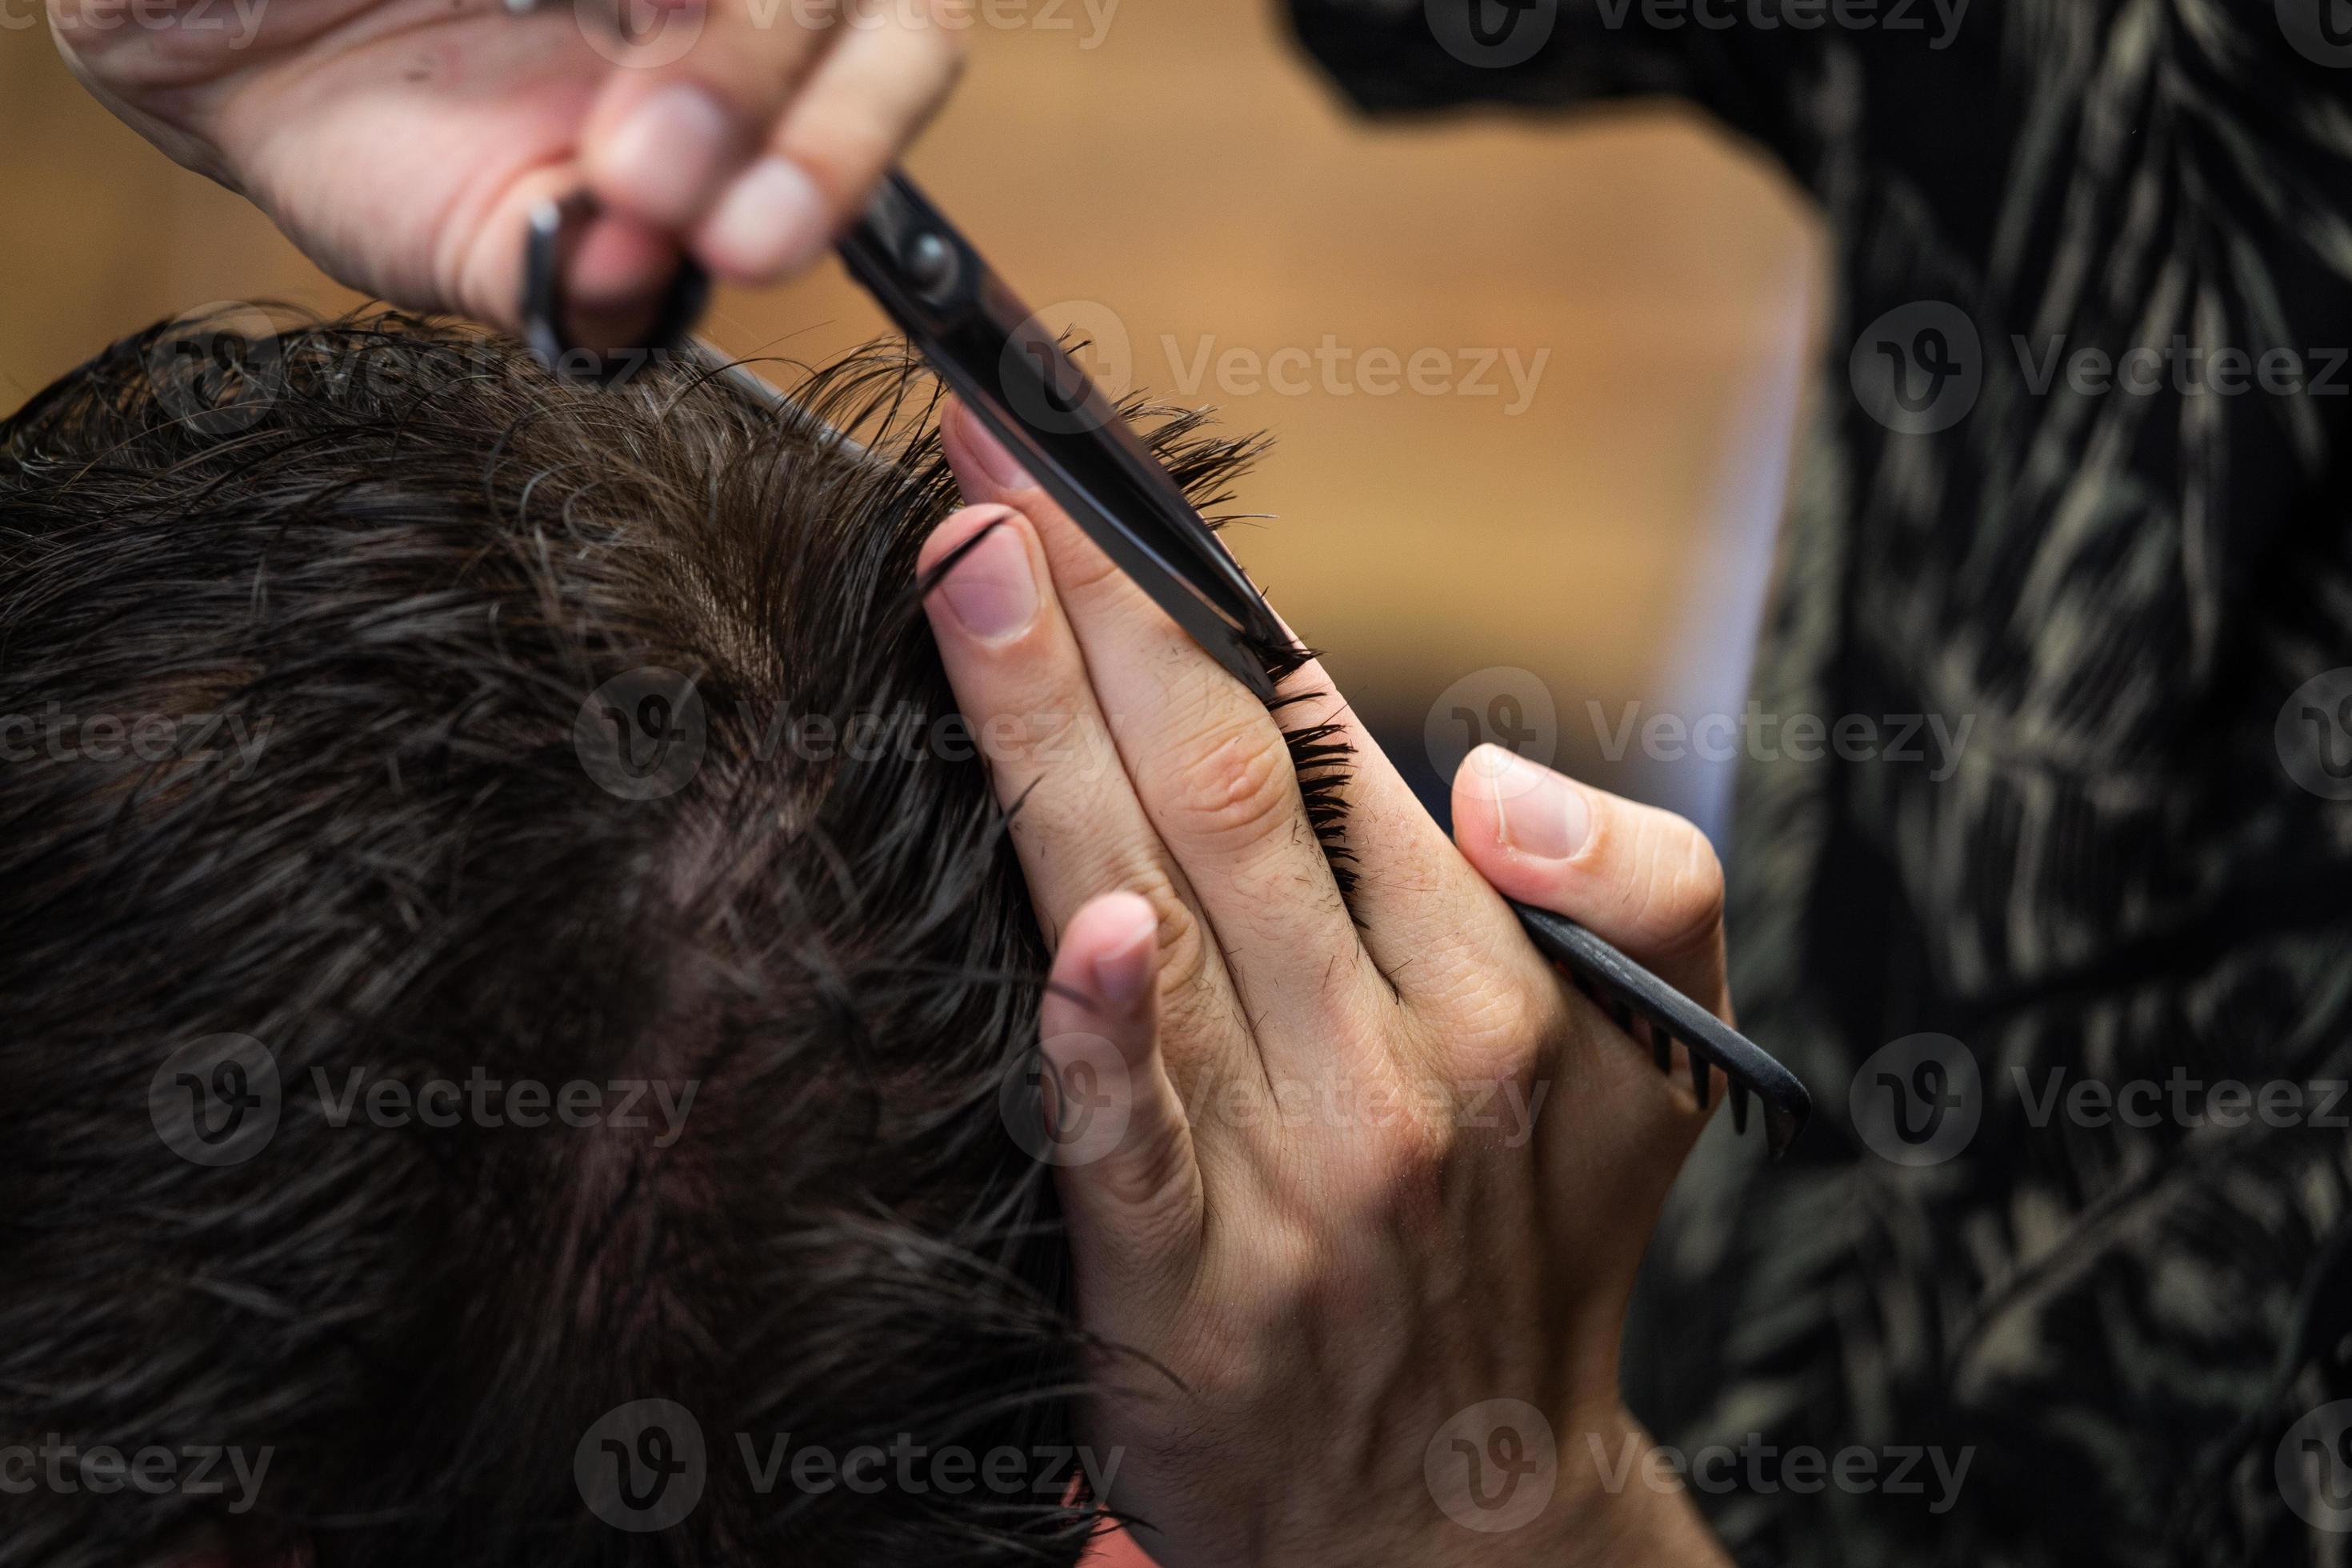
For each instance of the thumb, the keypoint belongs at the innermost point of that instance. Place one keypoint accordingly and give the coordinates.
(1116, 1131)
(1642, 880)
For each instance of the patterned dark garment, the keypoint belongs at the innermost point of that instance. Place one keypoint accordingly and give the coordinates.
(2137, 592)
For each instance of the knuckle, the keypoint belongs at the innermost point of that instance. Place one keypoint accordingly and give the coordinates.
(1183, 947)
(1294, 1265)
(1234, 789)
(1507, 1025)
(1415, 1156)
(1084, 572)
(1151, 1183)
(841, 158)
(1023, 747)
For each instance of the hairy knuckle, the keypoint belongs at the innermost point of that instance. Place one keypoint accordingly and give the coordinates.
(1183, 947)
(1235, 789)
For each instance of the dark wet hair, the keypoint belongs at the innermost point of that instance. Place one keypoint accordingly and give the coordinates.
(428, 579)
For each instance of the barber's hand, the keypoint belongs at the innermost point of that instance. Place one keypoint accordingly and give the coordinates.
(1347, 1180)
(402, 143)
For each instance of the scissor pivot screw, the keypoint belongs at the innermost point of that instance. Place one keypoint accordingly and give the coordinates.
(931, 265)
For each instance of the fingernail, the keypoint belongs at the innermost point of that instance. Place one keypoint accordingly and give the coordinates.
(1121, 974)
(993, 457)
(668, 152)
(990, 592)
(772, 221)
(1540, 812)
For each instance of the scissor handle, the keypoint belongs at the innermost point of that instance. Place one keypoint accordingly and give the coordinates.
(556, 225)
(1012, 371)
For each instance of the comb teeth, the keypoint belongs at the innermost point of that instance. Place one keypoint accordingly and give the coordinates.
(1625, 989)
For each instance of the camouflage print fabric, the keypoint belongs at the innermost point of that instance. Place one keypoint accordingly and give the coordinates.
(2135, 590)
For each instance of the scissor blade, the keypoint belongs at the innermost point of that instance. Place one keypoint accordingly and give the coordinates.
(1013, 374)
(1169, 585)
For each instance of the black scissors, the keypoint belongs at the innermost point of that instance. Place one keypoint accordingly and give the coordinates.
(1011, 370)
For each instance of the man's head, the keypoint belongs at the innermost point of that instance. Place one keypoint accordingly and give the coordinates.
(501, 924)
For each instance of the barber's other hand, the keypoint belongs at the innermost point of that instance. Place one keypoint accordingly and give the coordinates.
(1351, 1180)
(402, 143)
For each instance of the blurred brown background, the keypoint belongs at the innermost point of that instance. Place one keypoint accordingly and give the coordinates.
(1181, 185)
